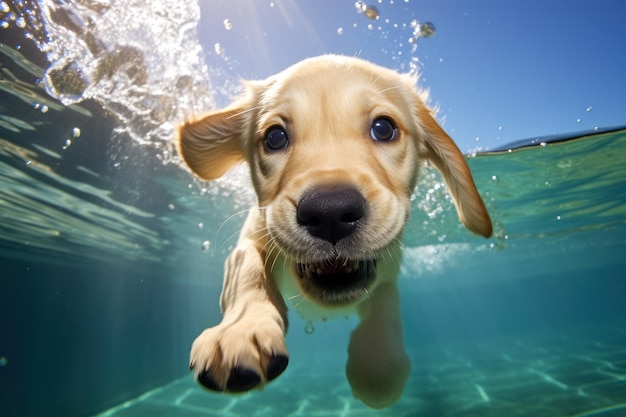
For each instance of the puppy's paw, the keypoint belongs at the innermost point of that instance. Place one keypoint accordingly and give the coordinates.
(378, 366)
(240, 356)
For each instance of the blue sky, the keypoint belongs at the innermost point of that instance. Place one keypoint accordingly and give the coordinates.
(499, 70)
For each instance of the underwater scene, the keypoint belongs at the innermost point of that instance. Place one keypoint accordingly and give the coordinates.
(112, 253)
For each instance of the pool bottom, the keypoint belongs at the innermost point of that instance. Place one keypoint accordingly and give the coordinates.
(581, 373)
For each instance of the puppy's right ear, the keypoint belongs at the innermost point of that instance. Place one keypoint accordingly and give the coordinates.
(213, 143)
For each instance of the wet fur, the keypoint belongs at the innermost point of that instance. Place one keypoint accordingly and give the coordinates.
(326, 105)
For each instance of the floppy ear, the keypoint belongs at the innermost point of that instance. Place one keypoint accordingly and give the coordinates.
(215, 142)
(444, 154)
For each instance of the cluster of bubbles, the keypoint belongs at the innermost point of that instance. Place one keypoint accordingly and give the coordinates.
(9, 17)
(418, 30)
(68, 141)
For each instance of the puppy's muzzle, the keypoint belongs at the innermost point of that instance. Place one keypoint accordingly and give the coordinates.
(332, 216)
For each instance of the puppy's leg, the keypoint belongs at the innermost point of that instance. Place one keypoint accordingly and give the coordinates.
(247, 349)
(378, 365)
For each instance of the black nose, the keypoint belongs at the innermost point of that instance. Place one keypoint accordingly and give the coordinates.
(331, 213)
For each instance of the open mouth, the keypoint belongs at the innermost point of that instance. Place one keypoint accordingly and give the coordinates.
(337, 280)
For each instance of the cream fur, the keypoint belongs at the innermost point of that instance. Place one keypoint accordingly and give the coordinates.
(326, 105)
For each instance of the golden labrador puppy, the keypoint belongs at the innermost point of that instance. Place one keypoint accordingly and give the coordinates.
(334, 146)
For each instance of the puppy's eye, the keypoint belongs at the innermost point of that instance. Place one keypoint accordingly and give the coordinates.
(276, 138)
(383, 129)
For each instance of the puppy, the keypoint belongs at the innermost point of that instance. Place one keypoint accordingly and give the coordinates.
(334, 145)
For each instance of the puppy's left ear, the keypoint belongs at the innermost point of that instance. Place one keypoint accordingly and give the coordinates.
(441, 150)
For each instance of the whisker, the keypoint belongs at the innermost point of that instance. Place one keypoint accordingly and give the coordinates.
(300, 300)
(244, 112)
(229, 219)
(229, 238)
(393, 255)
(268, 248)
(275, 259)
(387, 89)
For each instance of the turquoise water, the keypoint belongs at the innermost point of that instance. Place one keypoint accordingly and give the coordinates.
(111, 261)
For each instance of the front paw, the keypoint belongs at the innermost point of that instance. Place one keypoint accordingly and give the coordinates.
(240, 356)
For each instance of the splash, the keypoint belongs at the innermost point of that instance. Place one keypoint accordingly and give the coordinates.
(141, 61)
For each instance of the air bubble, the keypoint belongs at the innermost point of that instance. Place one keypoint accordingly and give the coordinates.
(421, 30)
(4, 7)
(228, 25)
(339, 31)
(368, 11)
(200, 225)
(206, 245)
(68, 143)
(218, 49)
(67, 81)
(371, 13)
(309, 328)
(76, 132)
(427, 29)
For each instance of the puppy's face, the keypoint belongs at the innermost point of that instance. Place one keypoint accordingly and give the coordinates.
(334, 146)
(334, 163)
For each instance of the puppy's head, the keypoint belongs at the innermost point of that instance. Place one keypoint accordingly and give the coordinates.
(334, 146)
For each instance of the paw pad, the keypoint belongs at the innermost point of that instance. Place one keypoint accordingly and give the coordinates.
(244, 379)
(278, 363)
